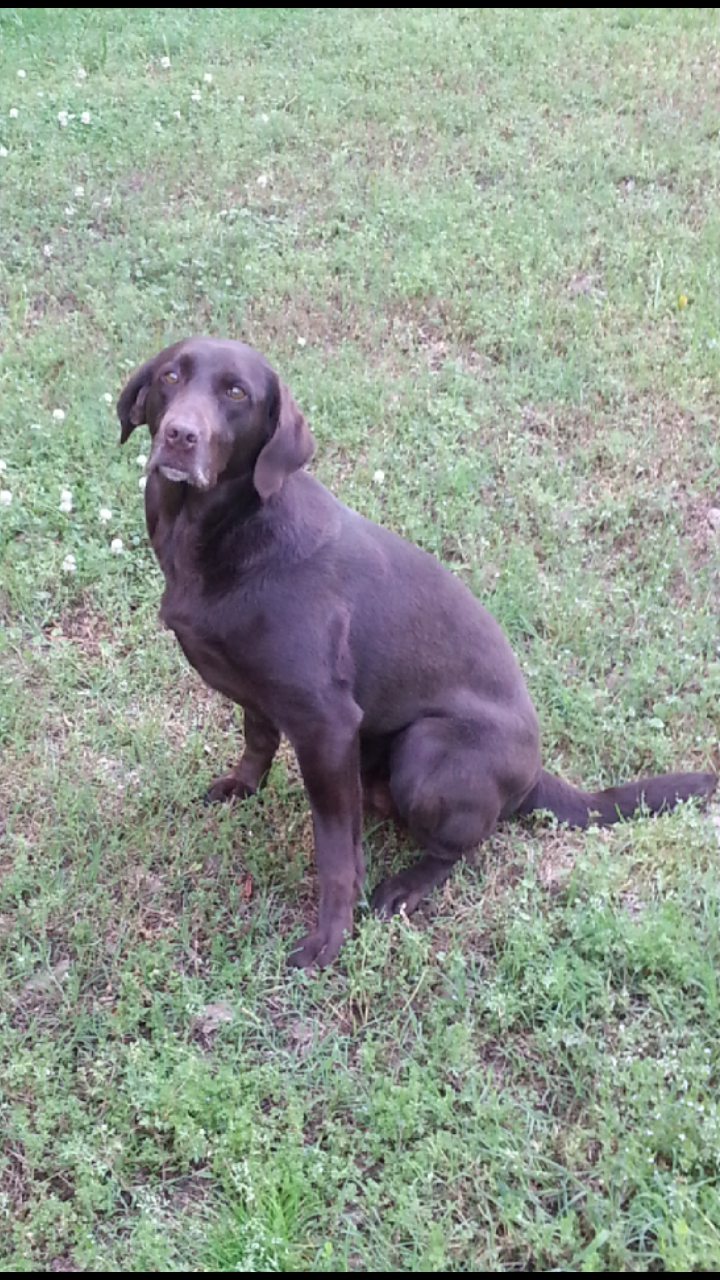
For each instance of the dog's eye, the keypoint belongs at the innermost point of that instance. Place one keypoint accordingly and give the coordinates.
(171, 376)
(236, 393)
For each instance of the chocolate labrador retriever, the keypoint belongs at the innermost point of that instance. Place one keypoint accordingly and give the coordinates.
(383, 670)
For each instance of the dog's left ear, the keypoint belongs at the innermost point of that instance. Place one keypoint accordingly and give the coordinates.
(131, 405)
(289, 448)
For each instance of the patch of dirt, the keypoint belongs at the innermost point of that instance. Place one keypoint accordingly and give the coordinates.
(584, 283)
(325, 322)
(556, 864)
(645, 447)
(644, 437)
(701, 523)
(40, 998)
(84, 628)
(136, 180)
(430, 327)
(407, 332)
(632, 904)
(46, 984)
(13, 1176)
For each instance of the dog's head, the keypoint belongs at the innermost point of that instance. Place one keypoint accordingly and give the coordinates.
(216, 410)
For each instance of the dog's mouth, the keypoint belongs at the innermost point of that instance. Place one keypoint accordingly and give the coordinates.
(197, 479)
(173, 473)
(172, 469)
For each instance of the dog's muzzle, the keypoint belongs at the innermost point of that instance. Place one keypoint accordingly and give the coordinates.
(181, 453)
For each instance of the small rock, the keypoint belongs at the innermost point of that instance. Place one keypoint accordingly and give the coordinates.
(47, 982)
(713, 518)
(211, 1018)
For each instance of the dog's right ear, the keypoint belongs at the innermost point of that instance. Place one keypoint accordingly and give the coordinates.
(131, 405)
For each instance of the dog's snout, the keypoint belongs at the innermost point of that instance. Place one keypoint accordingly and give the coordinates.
(183, 445)
(181, 434)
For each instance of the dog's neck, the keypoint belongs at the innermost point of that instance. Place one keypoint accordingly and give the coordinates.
(231, 500)
(229, 530)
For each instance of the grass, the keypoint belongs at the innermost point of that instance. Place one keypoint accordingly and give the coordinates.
(482, 249)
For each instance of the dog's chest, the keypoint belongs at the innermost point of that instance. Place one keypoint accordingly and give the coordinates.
(219, 647)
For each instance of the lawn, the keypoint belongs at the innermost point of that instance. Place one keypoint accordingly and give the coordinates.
(482, 247)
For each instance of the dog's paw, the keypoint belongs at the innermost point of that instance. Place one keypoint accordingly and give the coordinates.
(318, 948)
(405, 891)
(393, 896)
(228, 787)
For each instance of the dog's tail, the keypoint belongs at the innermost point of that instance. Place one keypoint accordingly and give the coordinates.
(581, 808)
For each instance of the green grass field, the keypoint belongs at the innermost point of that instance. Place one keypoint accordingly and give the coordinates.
(483, 249)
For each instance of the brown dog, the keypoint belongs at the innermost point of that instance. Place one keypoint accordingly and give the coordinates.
(381, 668)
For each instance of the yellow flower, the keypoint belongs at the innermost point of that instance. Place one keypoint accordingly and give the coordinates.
(682, 301)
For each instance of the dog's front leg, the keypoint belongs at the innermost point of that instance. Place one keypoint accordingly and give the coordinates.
(261, 742)
(329, 759)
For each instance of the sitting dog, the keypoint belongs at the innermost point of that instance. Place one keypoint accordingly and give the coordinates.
(383, 670)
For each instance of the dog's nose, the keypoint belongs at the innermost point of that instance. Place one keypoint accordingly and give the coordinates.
(181, 435)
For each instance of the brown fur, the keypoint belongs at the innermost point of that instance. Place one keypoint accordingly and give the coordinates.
(383, 670)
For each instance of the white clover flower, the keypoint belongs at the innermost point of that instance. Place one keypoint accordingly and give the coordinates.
(5, 497)
(66, 502)
(85, 117)
(207, 78)
(21, 75)
(195, 95)
(79, 192)
(116, 546)
(177, 115)
(302, 342)
(82, 73)
(104, 515)
(263, 180)
(3, 465)
(69, 211)
(47, 250)
(379, 477)
(158, 127)
(141, 460)
(142, 482)
(107, 398)
(69, 564)
(59, 415)
(4, 152)
(13, 113)
(63, 118)
(165, 63)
